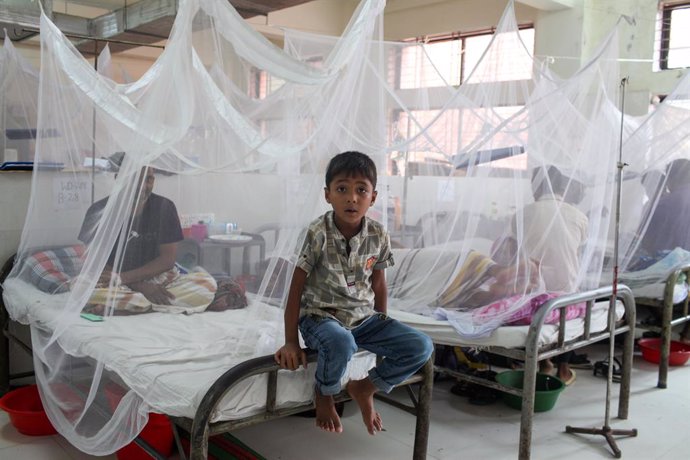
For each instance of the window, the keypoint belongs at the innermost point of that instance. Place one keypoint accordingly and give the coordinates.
(447, 133)
(450, 59)
(262, 84)
(673, 40)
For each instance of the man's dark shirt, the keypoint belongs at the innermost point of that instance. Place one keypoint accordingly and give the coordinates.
(157, 224)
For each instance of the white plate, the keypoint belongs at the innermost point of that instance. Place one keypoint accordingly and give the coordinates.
(223, 237)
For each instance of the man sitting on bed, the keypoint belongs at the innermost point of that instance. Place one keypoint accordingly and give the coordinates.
(553, 232)
(147, 276)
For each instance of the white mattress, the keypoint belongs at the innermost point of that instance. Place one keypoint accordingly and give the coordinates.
(442, 333)
(656, 291)
(154, 356)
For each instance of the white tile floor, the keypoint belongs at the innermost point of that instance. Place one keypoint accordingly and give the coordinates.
(461, 430)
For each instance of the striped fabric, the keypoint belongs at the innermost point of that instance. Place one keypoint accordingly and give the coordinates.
(193, 292)
(473, 273)
(52, 269)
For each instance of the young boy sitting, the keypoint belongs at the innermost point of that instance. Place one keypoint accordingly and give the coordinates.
(338, 298)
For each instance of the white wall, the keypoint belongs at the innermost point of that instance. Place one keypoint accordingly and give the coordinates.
(15, 188)
(581, 29)
(414, 18)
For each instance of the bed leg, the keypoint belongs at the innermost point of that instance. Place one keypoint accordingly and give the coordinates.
(4, 351)
(198, 436)
(626, 373)
(529, 385)
(666, 317)
(421, 436)
(198, 449)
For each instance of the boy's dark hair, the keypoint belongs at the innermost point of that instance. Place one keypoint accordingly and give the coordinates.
(351, 163)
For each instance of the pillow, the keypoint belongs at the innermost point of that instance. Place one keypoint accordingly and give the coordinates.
(51, 270)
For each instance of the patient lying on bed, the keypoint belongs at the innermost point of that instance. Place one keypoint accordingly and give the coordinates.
(489, 290)
(147, 278)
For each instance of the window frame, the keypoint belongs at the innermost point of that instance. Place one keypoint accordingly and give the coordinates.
(666, 9)
(462, 37)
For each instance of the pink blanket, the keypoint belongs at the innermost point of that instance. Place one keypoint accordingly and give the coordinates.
(521, 316)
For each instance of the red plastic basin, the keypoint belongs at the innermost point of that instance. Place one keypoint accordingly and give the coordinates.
(157, 432)
(26, 411)
(651, 351)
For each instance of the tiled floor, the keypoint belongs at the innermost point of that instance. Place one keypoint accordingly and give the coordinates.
(460, 430)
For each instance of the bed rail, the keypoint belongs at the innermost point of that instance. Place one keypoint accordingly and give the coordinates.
(201, 427)
(533, 353)
(667, 320)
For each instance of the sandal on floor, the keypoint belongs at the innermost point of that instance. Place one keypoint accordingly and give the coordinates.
(580, 362)
(601, 368)
(482, 396)
(460, 388)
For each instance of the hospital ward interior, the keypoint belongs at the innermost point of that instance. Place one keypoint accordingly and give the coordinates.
(176, 237)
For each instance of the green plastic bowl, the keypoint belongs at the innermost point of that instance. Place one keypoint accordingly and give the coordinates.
(547, 390)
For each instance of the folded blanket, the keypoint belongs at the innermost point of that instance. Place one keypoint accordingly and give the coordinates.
(193, 292)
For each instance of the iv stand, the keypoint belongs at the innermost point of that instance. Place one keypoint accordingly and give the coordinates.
(606, 430)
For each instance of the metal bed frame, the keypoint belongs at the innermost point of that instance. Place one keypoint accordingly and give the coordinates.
(201, 427)
(667, 319)
(533, 353)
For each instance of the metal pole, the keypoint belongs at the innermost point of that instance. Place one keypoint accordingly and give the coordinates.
(612, 308)
(606, 430)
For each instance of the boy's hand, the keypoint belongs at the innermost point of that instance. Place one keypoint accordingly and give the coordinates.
(290, 355)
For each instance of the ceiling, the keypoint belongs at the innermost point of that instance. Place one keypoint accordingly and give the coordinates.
(126, 24)
(122, 23)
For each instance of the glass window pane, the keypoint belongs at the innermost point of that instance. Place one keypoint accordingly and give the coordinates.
(495, 67)
(434, 64)
(679, 43)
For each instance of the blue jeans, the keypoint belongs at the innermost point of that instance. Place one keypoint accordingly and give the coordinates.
(404, 350)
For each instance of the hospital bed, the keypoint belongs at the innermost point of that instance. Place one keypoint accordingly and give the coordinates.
(209, 395)
(660, 295)
(538, 341)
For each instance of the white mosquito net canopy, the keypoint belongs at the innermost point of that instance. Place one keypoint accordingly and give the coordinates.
(497, 196)
(18, 104)
(653, 240)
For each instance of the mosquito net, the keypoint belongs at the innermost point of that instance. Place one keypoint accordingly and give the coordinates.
(18, 101)
(497, 195)
(653, 240)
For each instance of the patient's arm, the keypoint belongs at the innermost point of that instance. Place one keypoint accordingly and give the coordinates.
(156, 293)
(164, 262)
(135, 279)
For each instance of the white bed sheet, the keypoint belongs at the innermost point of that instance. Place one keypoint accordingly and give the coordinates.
(442, 333)
(154, 357)
(656, 291)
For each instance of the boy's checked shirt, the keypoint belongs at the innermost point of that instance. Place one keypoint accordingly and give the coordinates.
(339, 286)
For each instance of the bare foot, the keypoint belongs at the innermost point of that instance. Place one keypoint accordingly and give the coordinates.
(326, 416)
(362, 392)
(546, 367)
